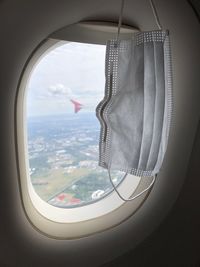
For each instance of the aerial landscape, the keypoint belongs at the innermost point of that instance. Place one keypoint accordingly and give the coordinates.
(63, 159)
(62, 129)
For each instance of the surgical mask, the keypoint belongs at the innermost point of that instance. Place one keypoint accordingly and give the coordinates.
(135, 113)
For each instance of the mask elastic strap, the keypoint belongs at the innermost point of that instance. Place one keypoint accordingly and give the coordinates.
(155, 13)
(153, 7)
(139, 194)
(120, 19)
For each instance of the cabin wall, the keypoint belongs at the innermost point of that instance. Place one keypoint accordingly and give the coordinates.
(165, 231)
(176, 241)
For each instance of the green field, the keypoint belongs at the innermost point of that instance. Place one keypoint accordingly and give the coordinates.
(56, 181)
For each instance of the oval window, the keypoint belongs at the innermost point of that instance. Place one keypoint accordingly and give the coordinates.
(62, 129)
(64, 192)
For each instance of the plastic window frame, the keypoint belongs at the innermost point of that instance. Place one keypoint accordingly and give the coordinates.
(73, 222)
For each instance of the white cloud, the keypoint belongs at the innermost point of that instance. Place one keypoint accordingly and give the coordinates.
(72, 71)
(59, 90)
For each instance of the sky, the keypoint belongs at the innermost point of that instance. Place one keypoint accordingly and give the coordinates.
(70, 71)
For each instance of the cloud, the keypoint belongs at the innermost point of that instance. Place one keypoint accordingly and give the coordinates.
(58, 90)
(72, 71)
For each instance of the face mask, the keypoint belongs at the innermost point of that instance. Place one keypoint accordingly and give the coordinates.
(136, 110)
(135, 113)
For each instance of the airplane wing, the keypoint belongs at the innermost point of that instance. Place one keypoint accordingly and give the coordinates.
(77, 106)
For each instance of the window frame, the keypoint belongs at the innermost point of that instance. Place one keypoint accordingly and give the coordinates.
(80, 221)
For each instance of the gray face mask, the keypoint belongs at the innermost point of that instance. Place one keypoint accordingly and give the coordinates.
(135, 113)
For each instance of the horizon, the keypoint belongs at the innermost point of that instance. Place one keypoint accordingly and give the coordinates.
(72, 114)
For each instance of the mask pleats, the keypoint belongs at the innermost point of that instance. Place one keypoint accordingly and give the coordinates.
(138, 112)
(149, 104)
(159, 105)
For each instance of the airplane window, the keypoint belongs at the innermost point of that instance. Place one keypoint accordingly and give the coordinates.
(65, 193)
(62, 129)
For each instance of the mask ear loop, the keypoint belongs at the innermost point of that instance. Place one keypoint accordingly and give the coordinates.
(153, 7)
(136, 196)
(120, 19)
(155, 13)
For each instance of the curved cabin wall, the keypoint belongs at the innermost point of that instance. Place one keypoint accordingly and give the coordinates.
(176, 241)
(23, 25)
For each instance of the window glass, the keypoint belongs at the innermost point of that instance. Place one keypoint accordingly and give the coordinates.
(63, 131)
